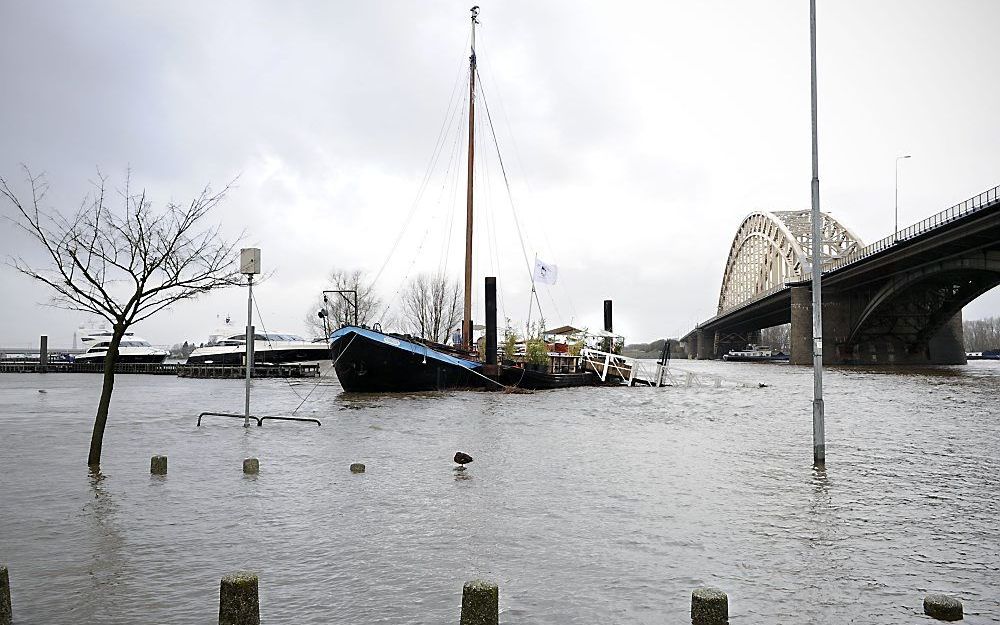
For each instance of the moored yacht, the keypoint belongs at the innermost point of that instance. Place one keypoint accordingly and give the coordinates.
(131, 349)
(268, 348)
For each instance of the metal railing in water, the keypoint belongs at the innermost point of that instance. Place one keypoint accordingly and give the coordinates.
(259, 420)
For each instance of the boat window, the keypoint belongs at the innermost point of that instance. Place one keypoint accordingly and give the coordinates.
(256, 337)
(101, 344)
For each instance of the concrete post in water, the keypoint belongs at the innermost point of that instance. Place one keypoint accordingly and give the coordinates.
(709, 606)
(43, 351)
(158, 465)
(238, 600)
(6, 615)
(491, 321)
(943, 608)
(357, 467)
(480, 603)
(251, 466)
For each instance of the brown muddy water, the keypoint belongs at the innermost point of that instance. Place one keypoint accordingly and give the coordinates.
(585, 505)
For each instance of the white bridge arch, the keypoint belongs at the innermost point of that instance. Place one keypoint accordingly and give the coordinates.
(772, 248)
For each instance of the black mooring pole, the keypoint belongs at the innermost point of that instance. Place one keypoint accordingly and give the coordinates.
(608, 325)
(491, 321)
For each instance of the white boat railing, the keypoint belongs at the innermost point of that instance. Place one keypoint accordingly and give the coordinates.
(633, 372)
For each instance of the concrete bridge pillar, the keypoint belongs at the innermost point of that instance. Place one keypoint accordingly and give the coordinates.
(706, 344)
(947, 347)
(836, 328)
(692, 346)
(800, 334)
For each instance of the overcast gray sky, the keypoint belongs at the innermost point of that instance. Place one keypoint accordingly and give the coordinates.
(636, 135)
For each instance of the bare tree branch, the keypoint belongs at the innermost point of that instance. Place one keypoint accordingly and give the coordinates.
(123, 262)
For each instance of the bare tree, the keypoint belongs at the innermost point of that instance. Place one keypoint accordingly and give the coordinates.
(124, 263)
(777, 337)
(982, 334)
(432, 306)
(339, 308)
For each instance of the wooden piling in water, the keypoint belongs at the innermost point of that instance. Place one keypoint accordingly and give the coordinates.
(239, 603)
(6, 614)
(709, 606)
(943, 608)
(251, 466)
(158, 465)
(480, 603)
(357, 467)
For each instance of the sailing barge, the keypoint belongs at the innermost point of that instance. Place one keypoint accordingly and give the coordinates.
(370, 360)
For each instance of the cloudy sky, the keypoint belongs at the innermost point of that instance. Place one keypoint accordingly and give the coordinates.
(636, 137)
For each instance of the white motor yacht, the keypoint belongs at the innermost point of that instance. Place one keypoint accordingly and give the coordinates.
(131, 349)
(268, 348)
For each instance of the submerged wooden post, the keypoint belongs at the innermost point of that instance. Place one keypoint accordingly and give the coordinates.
(6, 615)
(43, 352)
(357, 467)
(158, 465)
(709, 606)
(251, 466)
(238, 600)
(943, 608)
(480, 603)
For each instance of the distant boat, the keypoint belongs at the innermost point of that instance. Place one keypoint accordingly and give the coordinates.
(131, 349)
(990, 354)
(755, 353)
(268, 348)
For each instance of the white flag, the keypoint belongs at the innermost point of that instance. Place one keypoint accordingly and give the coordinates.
(545, 272)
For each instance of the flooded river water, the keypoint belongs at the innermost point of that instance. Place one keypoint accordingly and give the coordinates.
(585, 505)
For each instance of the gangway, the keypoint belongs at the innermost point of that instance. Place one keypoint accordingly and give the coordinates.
(635, 372)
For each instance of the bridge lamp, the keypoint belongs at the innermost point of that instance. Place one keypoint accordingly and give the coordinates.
(895, 229)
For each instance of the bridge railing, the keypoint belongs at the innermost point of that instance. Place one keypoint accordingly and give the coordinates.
(969, 206)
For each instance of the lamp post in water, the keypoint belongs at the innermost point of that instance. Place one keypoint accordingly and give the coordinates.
(819, 436)
(895, 227)
(249, 266)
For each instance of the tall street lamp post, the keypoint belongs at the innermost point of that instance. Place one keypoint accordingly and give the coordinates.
(819, 429)
(895, 228)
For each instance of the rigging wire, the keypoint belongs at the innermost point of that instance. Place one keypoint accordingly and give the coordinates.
(427, 231)
(455, 151)
(510, 195)
(435, 154)
(520, 165)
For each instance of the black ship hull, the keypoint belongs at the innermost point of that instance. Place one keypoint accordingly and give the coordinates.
(371, 362)
(543, 380)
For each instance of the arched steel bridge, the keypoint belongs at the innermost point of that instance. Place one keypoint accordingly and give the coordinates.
(897, 300)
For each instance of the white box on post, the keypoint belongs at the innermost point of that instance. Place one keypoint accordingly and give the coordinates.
(250, 260)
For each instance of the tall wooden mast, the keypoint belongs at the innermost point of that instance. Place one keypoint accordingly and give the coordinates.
(467, 315)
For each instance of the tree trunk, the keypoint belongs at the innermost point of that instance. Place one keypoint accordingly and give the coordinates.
(97, 439)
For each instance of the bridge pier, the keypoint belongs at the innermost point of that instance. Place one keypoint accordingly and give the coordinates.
(946, 347)
(836, 328)
(691, 346)
(800, 334)
(706, 344)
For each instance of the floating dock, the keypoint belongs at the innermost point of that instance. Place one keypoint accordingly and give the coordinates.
(177, 369)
